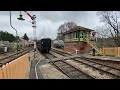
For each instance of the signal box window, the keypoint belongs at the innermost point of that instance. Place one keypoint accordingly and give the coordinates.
(81, 34)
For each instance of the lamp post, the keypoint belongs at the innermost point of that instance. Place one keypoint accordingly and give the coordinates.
(16, 33)
(33, 18)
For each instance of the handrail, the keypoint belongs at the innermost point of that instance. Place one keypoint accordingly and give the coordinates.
(92, 44)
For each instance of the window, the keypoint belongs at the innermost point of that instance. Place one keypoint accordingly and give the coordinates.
(75, 35)
(72, 35)
(85, 34)
(81, 34)
(66, 36)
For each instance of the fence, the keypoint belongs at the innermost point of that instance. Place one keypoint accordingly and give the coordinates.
(16, 69)
(115, 51)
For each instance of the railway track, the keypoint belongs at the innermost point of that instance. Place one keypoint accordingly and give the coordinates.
(13, 57)
(113, 73)
(95, 63)
(60, 52)
(103, 69)
(68, 69)
(113, 64)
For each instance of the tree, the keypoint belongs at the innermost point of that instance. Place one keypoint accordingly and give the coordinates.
(112, 22)
(65, 27)
(103, 37)
(25, 37)
(5, 36)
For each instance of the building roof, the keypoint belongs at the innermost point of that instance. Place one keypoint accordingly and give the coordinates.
(78, 28)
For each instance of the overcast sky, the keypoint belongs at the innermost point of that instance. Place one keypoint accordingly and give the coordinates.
(47, 22)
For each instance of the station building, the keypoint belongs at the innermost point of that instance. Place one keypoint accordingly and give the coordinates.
(75, 40)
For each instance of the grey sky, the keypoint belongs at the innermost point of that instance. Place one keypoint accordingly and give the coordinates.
(47, 21)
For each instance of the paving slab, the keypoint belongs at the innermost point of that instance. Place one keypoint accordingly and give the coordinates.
(33, 62)
(49, 72)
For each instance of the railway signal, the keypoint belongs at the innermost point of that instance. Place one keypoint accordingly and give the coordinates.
(33, 18)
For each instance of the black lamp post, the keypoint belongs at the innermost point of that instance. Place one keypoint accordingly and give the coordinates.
(20, 18)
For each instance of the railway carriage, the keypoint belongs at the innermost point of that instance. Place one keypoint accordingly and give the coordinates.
(44, 45)
(58, 44)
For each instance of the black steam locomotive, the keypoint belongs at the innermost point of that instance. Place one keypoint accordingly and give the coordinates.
(44, 45)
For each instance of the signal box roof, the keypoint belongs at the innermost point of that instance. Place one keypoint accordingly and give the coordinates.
(78, 28)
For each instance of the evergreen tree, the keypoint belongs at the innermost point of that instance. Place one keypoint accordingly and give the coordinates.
(5, 36)
(25, 37)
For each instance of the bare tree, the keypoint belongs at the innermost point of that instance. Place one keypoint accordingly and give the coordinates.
(65, 27)
(102, 32)
(103, 37)
(112, 21)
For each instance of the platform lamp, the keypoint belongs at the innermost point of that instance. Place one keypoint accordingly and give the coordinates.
(21, 17)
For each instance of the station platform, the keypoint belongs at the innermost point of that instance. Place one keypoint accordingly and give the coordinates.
(44, 69)
(33, 62)
(110, 58)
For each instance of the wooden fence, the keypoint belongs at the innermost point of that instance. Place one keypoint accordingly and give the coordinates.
(115, 51)
(17, 69)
